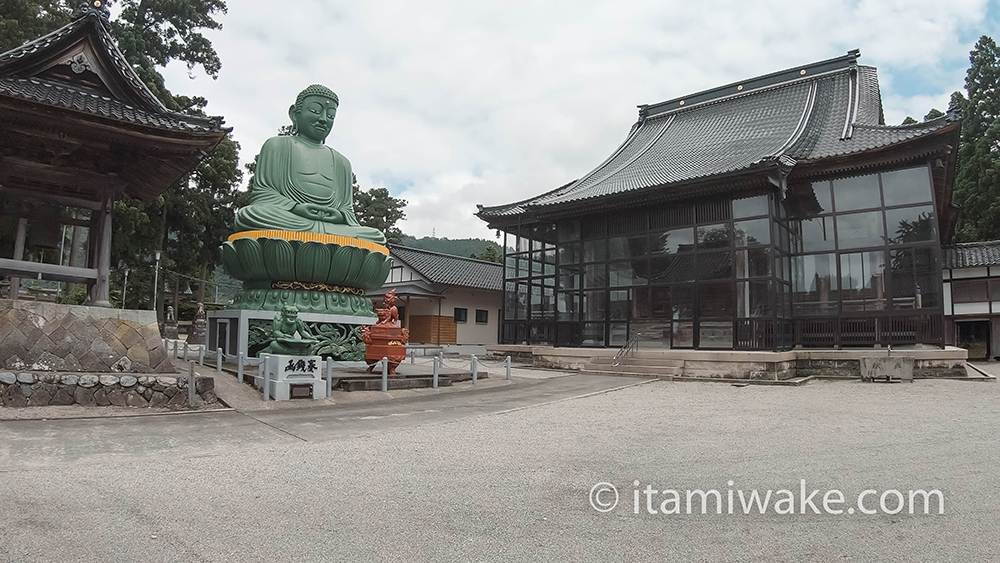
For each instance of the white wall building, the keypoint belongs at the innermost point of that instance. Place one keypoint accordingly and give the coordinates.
(445, 299)
(972, 297)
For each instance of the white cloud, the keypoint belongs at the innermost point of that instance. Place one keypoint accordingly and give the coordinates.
(450, 104)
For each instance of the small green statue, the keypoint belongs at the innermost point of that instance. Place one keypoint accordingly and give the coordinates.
(284, 328)
(300, 184)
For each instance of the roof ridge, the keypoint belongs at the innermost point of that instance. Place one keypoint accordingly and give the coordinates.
(9, 53)
(754, 84)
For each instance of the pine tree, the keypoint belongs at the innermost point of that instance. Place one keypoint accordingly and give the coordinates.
(376, 208)
(977, 183)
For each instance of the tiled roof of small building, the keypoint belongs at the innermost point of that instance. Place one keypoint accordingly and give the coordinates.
(447, 269)
(972, 254)
(62, 95)
(822, 110)
(92, 20)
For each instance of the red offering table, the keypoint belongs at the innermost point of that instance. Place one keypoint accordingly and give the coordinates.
(385, 339)
(385, 342)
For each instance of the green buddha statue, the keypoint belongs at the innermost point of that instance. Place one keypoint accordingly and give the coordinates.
(300, 184)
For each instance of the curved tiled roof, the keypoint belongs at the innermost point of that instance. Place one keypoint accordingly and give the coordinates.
(972, 254)
(146, 109)
(822, 110)
(447, 269)
(62, 95)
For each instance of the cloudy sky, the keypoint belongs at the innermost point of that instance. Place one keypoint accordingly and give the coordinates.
(453, 103)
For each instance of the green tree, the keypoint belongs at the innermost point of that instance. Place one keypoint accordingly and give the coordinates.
(455, 247)
(194, 216)
(24, 20)
(153, 33)
(933, 114)
(977, 182)
(908, 121)
(491, 254)
(188, 221)
(375, 208)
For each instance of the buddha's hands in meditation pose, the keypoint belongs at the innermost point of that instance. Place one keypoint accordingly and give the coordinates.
(318, 212)
(300, 184)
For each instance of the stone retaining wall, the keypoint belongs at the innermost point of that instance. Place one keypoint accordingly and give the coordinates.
(851, 368)
(127, 390)
(38, 336)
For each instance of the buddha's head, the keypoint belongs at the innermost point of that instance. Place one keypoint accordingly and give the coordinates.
(313, 113)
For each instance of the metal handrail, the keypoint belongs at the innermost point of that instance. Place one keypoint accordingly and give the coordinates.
(631, 346)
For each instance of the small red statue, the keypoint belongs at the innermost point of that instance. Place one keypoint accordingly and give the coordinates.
(385, 339)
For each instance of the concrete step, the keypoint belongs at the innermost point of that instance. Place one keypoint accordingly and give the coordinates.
(645, 371)
(636, 368)
(665, 362)
(375, 384)
(627, 374)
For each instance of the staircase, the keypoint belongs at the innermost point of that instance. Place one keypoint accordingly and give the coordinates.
(634, 366)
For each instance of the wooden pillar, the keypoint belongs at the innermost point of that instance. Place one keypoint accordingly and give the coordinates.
(437, 339)
(22, 232)
(177, 297)
(100, 293)
(93, 238)
(406, 319)
(74, 250)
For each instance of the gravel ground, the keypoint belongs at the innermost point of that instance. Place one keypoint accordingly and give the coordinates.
(513, 486)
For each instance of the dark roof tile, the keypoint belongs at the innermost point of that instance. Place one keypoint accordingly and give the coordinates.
(972, 254)
(823, 110)
(447, 269)
(61, 95)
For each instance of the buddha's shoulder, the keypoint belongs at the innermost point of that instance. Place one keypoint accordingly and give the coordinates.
(275, 142)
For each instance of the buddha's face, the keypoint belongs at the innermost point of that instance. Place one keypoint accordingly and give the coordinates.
(315, 119)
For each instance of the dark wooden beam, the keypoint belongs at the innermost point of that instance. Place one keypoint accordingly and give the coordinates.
(20, 268)
(13, 167)
(50, 198)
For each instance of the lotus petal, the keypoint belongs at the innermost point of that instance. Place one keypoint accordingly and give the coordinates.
(276, 299)
(250, 299)
(344, 265)
(231, 260)
(251, 259)
(312, 262)
(279, 259)
(373, 272)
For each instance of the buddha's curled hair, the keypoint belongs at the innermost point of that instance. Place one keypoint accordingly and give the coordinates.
(315, 90)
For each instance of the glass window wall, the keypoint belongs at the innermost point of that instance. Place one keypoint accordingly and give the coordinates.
(744, 272)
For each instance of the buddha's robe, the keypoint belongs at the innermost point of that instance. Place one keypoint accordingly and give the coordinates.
(291, 171)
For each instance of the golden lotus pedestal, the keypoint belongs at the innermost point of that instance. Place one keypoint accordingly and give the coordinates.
(314, 272)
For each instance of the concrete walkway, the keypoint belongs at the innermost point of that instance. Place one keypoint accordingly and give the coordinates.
(476, 476)
(244, 398)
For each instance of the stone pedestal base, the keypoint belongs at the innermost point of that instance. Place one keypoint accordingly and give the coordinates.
(304, 301)
(170, 330)
(243, 331)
